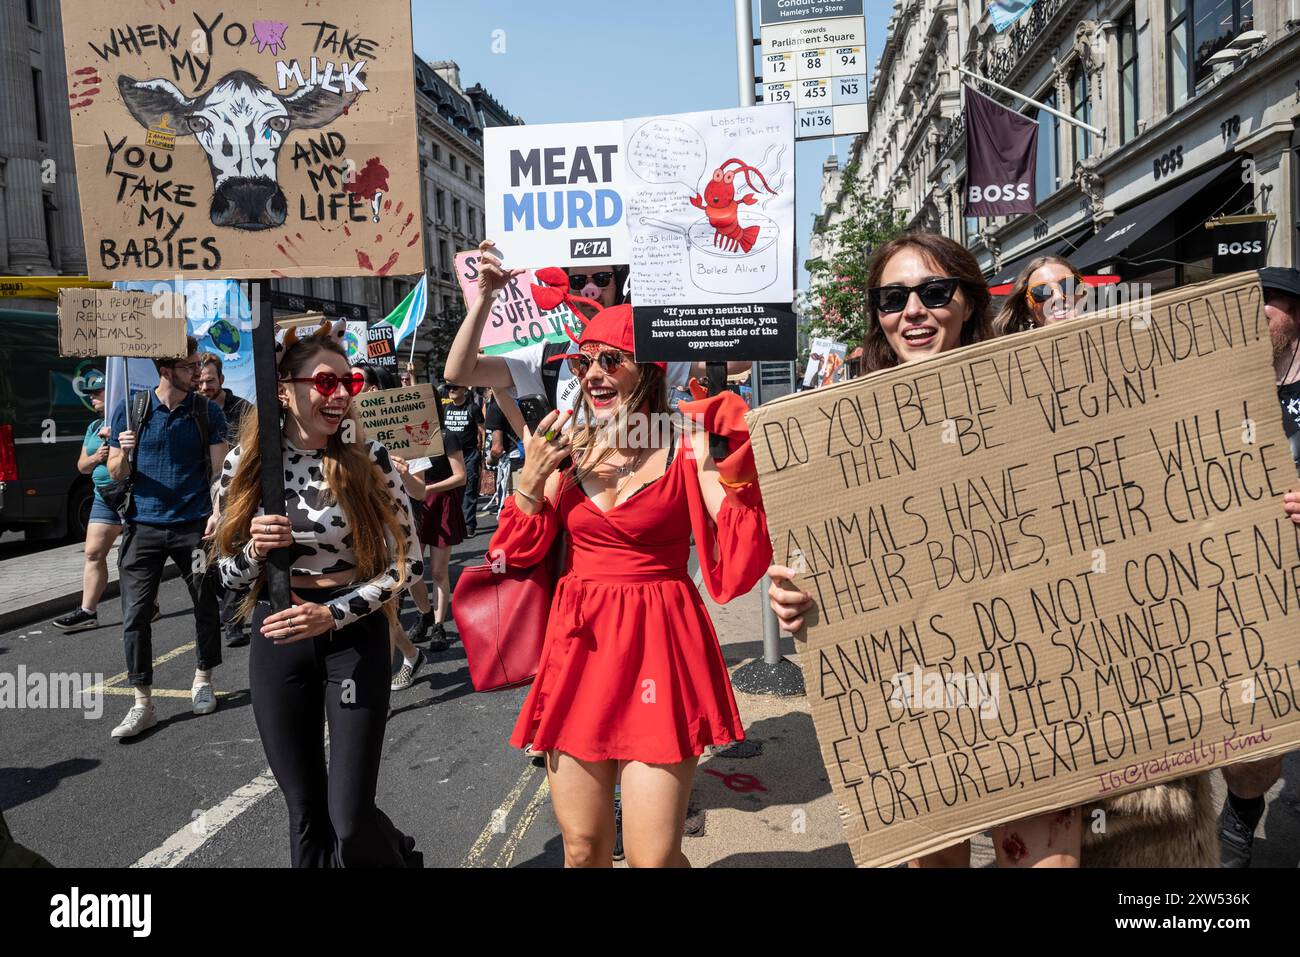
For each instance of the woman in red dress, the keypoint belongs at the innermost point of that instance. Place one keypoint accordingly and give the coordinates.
(631, 681)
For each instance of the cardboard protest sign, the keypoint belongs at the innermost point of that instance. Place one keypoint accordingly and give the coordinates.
(516, 321)
(825, 363)
(404, 420)
(112, 322)
(255, 140)
(710, 208)
(553, 193)
(380, 346)
(1048, 569)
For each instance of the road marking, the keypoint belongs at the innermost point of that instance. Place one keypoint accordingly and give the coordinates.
(207, 823)
(156, 662)
(162, 692)
(523, 824)
(496, 819)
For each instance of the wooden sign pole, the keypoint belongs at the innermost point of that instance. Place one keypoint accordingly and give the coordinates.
(269, 437)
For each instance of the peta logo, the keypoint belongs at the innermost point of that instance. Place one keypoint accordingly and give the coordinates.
(995, 193)
(1241, 249)
(589, 249)
(74, 910)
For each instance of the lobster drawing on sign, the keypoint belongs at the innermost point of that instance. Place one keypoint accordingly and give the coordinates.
(722, 206)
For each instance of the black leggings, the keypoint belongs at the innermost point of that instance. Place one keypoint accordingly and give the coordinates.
(345, 675)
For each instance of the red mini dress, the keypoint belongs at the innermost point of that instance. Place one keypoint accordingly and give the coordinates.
(631, 668)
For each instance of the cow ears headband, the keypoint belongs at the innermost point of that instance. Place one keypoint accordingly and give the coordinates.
(555, 290)
(286, 338)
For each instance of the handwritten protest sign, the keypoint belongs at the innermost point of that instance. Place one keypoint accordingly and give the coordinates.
(1048, 569)
(111, 322)
(710, 209)
(553, 193)
(516, 320)
(255, 140)
(404, 420)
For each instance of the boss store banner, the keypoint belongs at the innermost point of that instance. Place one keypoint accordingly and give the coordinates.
(1239, 247)
(1001, 154)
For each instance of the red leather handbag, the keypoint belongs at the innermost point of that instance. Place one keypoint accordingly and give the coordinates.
(501, 616)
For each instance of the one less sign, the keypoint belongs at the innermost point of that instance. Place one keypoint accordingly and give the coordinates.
(710, 201)
(553, 193)
(814, 56)
(516, 321)
(1048, 569)
(110, 322)
(404, 420)
(245, 140)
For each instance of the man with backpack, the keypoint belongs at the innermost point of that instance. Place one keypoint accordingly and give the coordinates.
(166, 445)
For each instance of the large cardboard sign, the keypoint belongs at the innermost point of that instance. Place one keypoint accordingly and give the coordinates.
(253, 140)
(1048, 569)
(517, 322)
(710, 206)
(111, 322)
(554, 193)
(404, 420)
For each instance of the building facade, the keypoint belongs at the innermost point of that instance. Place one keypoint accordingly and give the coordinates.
(1197, 103)
(40, 217)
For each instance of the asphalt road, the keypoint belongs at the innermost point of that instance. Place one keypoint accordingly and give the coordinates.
(194, 792)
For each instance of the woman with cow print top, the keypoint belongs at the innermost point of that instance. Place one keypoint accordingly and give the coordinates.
(350, 534)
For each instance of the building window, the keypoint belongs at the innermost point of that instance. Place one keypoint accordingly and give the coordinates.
(437, 153)
(451, 161)
(1081, 110)
(444, 263)
(472, 227)
(1047, 176)
(455, 214)
(31, 13)
(1197, 30)
(38, 103)
(441, 206)
(51, 230)
(1128, 76)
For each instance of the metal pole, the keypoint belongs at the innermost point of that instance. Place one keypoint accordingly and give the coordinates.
(745, 88)
(1042, 106)
(268, 441)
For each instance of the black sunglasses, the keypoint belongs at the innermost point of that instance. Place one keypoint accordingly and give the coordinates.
(579, 279)
(609, 359)
(934, 293)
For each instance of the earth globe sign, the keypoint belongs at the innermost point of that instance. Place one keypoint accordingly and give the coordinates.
(352, 347)
(225, 336)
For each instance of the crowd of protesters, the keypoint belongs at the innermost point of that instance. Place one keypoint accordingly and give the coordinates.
(177, 470)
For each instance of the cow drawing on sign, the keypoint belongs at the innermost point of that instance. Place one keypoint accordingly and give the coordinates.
(241, 124)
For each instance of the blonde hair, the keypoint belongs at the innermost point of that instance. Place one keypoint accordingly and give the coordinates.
(351, 479)
(649, 396)
(1015, 314)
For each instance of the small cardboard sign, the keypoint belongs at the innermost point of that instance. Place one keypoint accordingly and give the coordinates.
(404, 420)
(112, 322)
(517, 322)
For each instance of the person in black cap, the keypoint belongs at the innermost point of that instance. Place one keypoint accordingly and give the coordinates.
(1249, 781)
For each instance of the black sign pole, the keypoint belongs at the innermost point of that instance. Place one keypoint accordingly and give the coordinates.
(717, 380)
(268, 415)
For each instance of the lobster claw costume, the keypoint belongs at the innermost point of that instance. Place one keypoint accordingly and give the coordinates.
(626, 625)
(724, 414)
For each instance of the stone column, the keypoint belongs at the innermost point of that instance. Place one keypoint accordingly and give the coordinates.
(71, 249)
(1275, 160)
(24, 212)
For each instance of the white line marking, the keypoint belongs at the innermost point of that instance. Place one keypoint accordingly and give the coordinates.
(207, 823)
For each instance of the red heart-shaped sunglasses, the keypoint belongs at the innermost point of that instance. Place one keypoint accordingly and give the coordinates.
(326, 383)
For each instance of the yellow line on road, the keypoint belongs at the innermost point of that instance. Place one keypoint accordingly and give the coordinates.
(156, 662)
(523, 824)
(496, 822)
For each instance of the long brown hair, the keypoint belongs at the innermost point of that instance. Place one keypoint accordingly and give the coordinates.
(351, 479)
(1015, 314)
(953, 259)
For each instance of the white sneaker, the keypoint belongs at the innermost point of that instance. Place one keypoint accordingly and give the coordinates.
(141, 717)
(204, 701)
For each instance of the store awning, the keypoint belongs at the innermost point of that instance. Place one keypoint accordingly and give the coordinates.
(1122, 232)
(1060, 247)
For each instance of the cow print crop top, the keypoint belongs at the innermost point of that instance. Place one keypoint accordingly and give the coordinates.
(322, 540)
